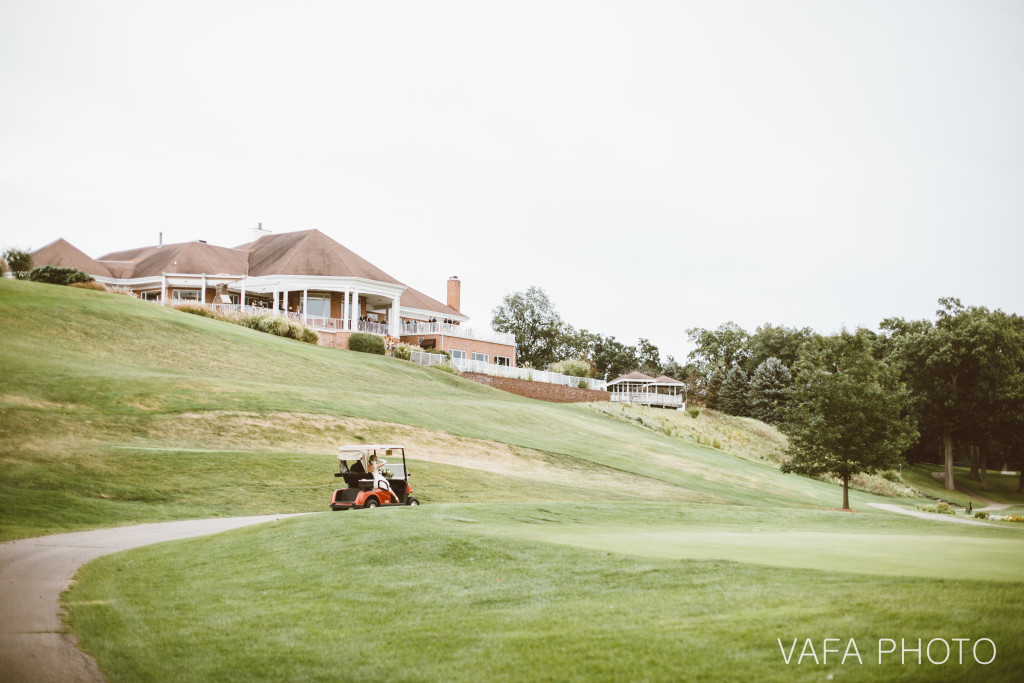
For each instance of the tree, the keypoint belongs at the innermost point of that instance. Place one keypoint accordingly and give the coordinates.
(732, 397)
(964, 373)
(648, 358)
(58, 275)
(19, 261)
(780, 342)
(531, 318)
(847, 412)
(724, 347)
(769, 388)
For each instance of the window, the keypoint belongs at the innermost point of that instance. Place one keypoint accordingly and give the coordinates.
(482, 357)
(457, 355)
(502, 360)
(150, 296)
(187, 294)
(319, 305)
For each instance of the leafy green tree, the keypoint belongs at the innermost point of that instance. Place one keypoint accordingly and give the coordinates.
(769, 389)
(732, 397)
(724, 347)
(531, 318)
(775, 341)
(964, 372)
(847, 411)
(648, 358)
(19, 261)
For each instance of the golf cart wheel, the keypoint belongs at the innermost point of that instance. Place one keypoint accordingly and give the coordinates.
(372, 503)
(413, 501)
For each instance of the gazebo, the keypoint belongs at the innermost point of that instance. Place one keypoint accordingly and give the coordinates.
(641, 389)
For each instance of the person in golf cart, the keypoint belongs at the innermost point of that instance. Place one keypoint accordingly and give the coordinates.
(368, 482)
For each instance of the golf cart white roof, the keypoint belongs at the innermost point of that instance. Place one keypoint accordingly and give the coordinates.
(359, 450)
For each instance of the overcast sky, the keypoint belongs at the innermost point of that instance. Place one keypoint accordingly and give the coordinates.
(654, 166)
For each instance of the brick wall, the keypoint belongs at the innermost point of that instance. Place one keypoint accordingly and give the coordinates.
(542, 391)
(337, 340)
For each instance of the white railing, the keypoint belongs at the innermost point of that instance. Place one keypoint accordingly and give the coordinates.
(647, 399)
(494, 370)
(450, 330)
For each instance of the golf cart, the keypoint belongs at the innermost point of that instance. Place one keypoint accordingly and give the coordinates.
(363, 489)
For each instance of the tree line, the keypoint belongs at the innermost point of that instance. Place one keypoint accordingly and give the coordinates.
(950, 389)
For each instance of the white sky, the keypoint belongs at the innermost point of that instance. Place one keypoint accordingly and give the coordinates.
(654, 166)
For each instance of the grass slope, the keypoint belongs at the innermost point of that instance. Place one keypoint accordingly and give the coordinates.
(232, 411)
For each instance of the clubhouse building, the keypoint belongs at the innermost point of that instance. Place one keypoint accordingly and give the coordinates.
(305, 275)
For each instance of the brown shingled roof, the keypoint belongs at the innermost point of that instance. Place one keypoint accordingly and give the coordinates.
(635, 375)
(310, 252)
(62, 253)
(185, 257)
(665, 379)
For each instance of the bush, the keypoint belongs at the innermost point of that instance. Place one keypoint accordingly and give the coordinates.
(403, 352)
(941, 508)
(117, 289)
(693, 411)
(573, 368)
(19, 262)
(310, 336)
(583, 384)
(892, 476)
(981, 515)
(58, 275)
(440, 352)
(366, 343)
(97, 286)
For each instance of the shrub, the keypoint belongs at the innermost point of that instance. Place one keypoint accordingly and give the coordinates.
(403, 352)
(981, 515)
(97, 286)
(941, 508)
(58, 275)
(310, 336)
(366, 343)
(19, 261)
(440, 352)
(118, 289)
(573, 368)
(892, 476)
(693, 411)
(583, 384)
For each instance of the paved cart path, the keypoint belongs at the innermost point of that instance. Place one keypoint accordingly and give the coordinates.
(35, 571)
(936, 516)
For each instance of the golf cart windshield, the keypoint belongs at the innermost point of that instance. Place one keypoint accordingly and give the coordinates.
(391, 456)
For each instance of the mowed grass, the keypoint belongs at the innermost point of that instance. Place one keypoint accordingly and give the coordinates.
(466, 592)
(87, 374)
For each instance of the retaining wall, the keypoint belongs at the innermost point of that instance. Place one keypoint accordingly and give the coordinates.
(542, 391)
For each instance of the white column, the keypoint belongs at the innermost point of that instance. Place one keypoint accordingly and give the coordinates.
(163, 288)
(284, 302)
(344, 310)
(277, 302)
(241, 296)
(203, 296)
(393, 321)
(355, 308)
(305, 306)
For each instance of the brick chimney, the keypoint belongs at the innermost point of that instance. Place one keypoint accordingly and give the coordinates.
(454, 292)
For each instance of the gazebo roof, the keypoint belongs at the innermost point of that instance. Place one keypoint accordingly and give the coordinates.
(665, 379)
(635, 376)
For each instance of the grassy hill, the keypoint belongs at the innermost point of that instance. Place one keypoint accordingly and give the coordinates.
(559, 542)
(114, 410)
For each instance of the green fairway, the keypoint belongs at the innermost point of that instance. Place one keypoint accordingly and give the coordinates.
(470, 593)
